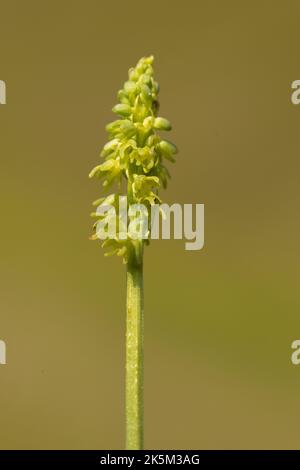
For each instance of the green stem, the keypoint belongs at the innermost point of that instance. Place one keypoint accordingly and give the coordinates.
(135, 351)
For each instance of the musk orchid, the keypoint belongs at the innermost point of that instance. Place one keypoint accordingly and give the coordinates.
(134, 165)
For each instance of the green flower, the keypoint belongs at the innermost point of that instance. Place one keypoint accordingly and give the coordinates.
(135, 153)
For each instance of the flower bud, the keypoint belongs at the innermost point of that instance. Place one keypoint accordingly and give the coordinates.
(130, 86)
(113, 126)
(148, 60)
(162, 124)
(133, 75)
(146, 79)
(151, 140)
(109, 147)
(168, 149)
(122, 109)
(149, 70)
(122, 97)
(148, 122)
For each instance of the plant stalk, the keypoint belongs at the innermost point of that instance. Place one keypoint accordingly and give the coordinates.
(135, 351)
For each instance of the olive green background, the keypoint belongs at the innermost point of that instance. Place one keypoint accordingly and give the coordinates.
(219, 323)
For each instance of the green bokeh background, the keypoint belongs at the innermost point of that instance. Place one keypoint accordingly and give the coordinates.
(219, 322)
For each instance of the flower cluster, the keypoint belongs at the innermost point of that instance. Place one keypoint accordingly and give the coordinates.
(135, 153)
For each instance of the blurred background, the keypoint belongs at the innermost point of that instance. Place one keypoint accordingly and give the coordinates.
(219, 323)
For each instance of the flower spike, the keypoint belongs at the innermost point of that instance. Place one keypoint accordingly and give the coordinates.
(135, 153)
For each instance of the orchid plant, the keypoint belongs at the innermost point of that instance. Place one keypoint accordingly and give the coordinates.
(134, 163)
